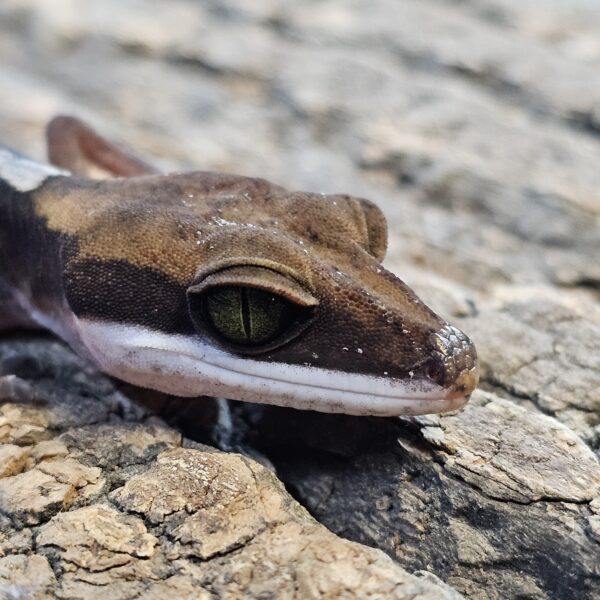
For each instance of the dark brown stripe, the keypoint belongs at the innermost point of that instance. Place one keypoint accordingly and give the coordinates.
(28, 251)
(117, 291)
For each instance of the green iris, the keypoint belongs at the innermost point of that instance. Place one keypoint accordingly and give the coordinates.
(247, 316)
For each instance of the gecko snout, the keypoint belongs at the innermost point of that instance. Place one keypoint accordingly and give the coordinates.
(453, 364)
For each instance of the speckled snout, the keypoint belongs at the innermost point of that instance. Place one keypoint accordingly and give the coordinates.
(454, 362)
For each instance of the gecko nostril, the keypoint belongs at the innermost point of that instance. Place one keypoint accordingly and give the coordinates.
(435, 370)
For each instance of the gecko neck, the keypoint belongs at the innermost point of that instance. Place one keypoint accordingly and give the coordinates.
(26, 269)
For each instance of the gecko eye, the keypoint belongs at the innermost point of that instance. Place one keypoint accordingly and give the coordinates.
(248, 316)
(253, 309)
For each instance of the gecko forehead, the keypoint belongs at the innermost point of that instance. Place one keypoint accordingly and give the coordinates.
(162, 222)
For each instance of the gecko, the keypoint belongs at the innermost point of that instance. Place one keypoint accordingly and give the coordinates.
(212, 284)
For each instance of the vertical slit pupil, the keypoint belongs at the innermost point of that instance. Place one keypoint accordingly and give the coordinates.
(245, 309)
(246, 316)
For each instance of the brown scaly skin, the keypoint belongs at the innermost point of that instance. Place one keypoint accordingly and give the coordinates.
(129, 250)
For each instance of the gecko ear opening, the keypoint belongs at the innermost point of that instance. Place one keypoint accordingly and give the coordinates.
(250, 309)
(75, 146)
(374, 226)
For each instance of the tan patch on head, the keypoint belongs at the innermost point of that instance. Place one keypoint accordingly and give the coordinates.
(164, 222)
(124, 222)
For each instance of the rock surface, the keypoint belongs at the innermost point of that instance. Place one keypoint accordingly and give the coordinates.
(114, 499)
(476, 127)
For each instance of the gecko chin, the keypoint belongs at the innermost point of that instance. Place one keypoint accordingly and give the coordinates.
(187, 366)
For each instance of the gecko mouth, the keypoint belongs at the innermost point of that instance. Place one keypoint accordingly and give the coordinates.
(182, 366)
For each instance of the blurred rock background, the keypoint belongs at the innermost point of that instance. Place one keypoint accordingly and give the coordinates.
(475, 125)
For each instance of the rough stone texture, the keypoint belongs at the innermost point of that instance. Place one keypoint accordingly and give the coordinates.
(557, 370)
(496, 500)
(121, 505)
(476, 127)
(532, 459)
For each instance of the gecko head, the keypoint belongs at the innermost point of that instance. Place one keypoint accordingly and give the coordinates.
(212, 284)
(317, 308)
(232, 287)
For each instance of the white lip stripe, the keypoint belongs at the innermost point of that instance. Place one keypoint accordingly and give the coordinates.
(190, 367)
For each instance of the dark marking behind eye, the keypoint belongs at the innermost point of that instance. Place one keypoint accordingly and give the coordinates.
(114, 290)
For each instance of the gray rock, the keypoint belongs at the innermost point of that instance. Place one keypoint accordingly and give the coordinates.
(495, 498)
(121, 504)
(557, 370)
